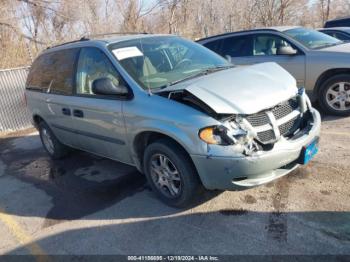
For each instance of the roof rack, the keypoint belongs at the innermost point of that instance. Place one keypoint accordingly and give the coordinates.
(65, 43)
(87, 37)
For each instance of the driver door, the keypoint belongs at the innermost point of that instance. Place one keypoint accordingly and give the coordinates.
(98, 119)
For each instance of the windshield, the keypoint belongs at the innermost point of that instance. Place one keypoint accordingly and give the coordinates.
(311, 38)
(156, 62)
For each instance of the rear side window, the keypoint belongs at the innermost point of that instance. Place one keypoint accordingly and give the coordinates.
(237, 46)
(54, 72)
(214, 46)
(232, 46)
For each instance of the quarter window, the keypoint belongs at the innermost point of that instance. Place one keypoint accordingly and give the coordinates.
(93, 64)
(54, 72)
(37, 78)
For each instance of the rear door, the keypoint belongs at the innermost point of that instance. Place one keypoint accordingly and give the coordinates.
(98, 120)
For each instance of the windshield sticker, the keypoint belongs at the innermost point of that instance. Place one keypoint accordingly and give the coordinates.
(127, 52)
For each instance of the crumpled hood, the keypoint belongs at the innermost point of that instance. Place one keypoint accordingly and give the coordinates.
(245, 89)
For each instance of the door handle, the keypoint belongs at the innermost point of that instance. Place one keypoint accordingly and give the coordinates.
(66, 111)
(78, 113)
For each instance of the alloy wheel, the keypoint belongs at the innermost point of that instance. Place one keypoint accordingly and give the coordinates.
(338, 96)
(165, 176)
(47, 141)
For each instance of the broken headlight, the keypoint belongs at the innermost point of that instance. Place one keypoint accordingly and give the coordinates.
(215, 135)
(243, 136)
(222, 135)
(230, 133)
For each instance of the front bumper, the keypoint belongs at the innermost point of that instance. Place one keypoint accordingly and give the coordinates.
(232, 173)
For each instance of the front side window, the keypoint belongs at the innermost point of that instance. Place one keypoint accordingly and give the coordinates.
(155, 62)
(93, 64)
(266, 45)
(311, 38)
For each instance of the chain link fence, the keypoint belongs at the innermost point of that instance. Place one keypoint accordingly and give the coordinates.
(13, 112)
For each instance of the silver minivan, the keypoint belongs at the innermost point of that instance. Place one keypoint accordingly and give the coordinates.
(178, 112)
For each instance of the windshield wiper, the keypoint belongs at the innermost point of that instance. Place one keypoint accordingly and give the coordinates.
(200, 73)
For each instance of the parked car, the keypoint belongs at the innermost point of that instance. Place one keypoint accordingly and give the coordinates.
(320, 63)
(343, 21)
(341, 33)
(180, 113)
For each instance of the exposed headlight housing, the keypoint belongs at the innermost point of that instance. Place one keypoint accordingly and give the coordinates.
(230, 133)
(215, 135)
(221, 135)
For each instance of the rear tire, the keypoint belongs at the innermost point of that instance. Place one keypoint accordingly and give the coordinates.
(171, 174)
(334, 95)
(52, 146)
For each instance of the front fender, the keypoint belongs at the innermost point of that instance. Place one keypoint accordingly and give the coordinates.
(186, 136)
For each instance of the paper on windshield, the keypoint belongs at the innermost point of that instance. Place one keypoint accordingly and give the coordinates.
(127, 52)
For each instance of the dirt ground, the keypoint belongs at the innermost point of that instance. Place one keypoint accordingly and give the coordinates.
(90, 205)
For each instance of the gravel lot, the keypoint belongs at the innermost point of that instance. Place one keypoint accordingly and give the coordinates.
(89, 205)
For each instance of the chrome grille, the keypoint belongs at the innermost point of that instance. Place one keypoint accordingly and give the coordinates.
(267, 136)
(258, 119)
(262, 123)
(285, 108)
(289, 127)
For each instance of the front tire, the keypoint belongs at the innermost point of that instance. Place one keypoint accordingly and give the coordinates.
(334, 95)
(171, 174)
(52, 146)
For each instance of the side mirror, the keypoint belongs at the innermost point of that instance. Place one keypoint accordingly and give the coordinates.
(228, 58)
(105, 86)
(286, 50)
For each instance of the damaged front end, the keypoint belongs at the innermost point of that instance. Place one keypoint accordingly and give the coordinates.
(285, 121)
(251, 133)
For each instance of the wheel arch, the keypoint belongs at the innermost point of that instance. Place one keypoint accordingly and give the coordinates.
(326, 75)
(145, 138)
(37, 119)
